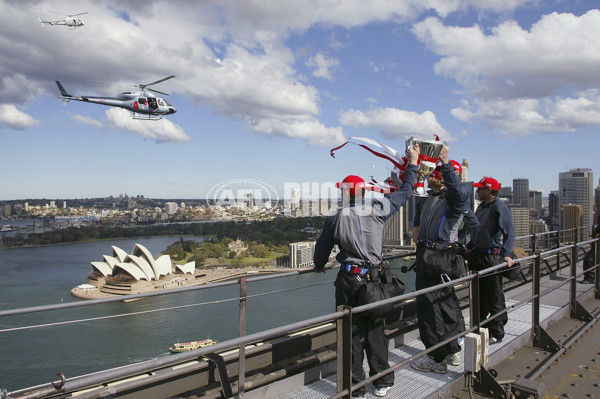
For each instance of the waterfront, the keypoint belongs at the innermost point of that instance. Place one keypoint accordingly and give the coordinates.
(45, 275)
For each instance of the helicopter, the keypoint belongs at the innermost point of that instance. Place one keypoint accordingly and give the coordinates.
(69, 20)
(142, 104)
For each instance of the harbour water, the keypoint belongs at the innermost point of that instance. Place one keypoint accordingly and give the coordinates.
(45, 275)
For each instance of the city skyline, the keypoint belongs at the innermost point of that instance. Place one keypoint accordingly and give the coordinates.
(265, 92)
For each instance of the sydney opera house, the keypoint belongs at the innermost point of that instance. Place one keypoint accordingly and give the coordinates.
(123, 274)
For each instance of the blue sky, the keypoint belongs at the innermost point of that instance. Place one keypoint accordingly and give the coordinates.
(265, 89)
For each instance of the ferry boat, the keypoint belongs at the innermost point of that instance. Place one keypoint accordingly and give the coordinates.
(188, 346)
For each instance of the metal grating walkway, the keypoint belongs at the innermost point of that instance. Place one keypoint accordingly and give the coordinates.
(412, 384)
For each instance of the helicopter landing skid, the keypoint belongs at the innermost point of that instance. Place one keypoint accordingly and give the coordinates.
(148, 117)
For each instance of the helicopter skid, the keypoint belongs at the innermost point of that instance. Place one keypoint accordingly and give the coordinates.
(145, 117)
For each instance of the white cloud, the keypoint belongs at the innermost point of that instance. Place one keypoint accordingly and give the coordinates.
(161, 131)
(312, 130)
(396, 123)
(521, 81)
(229, 56)
(12, 118)
(86, 120)
(323, 66)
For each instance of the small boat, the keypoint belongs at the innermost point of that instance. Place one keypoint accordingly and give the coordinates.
(188, 346)
(6, 227)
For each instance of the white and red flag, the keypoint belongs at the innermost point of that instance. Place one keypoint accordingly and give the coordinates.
(382, 151)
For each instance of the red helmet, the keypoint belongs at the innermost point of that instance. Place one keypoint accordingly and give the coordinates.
(352, 183)
(457, 167)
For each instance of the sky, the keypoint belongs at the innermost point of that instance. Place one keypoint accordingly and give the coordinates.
(265, 89)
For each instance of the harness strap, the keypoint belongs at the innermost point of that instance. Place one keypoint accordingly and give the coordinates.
(355, 269)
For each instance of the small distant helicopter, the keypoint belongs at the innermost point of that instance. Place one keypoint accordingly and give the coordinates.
(142, 104)
(69, 20)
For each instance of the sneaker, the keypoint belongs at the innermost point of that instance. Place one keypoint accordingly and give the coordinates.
(494, 340)
(425, 363)
(359, 397)
(587, 281)
(452, 360)
(381, 392)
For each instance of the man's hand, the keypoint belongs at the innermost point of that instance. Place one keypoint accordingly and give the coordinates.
(444, 154)
(509, 261)
(412, 154)
(415, 234)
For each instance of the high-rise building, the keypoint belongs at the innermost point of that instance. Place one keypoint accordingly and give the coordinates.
(520, 217)
(535, 200)
(553, 211)
(295, 198)
(597, 204)
(465, 170)
(572, 216)
(520, 192)
(301, 254)
(576, 187)
(505, 192)
(395, 231)
(538, 227)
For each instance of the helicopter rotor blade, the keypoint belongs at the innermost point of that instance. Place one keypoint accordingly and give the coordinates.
(156, 91)
(69, 15)
(159, 81)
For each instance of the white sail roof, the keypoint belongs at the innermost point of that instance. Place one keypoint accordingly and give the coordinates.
(188, 268)
(143, 265)
(140, 264)
(103, 268)
(162, 266)
(119, 253)
(131, 269)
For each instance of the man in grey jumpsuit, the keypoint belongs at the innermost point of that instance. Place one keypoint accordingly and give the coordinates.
(439, 313)
(357, 228)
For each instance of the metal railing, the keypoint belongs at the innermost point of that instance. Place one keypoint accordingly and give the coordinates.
(533, 268)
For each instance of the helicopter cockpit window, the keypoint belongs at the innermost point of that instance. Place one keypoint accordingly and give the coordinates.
(161, 102)
(142, 100)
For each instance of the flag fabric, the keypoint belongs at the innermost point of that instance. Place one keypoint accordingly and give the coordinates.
(382, 151)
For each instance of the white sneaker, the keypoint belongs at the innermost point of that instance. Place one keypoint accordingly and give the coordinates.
(425, 363)
(452, 360)
(381, 392)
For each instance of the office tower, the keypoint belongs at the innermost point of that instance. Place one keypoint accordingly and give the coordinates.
(521, 192)
(301, 254)
(535, 200)
(572, 217)
(505, 192)
(538, 227)
(576, 187)
(295, 198)
(554, 211)
(465, 166)
(597, 204)
(394, 231)
(520, 217)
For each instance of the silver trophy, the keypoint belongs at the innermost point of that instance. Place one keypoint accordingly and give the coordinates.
(428, 158)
